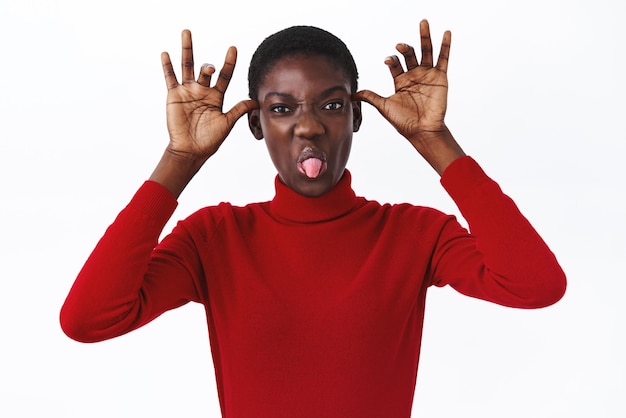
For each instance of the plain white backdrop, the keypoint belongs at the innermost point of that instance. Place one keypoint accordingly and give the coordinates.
(536, 96)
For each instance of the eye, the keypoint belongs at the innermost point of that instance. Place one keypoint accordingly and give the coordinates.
(334, 105)
(279, 109)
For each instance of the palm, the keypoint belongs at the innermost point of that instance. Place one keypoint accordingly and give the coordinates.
(195, 120)
(419, 104)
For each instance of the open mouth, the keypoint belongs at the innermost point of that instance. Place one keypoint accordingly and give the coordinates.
(312, 162)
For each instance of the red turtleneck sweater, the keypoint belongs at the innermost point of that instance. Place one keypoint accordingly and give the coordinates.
(314, 305)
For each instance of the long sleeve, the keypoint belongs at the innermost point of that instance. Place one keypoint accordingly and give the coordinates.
(125, 282)
(504, 260)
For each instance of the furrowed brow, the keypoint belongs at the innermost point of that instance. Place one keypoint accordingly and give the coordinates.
(287, 96)
(279, 95)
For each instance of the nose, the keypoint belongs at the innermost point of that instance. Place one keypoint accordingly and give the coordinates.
(308, 124)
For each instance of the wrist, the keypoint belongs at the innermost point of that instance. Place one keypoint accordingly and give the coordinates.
(183, 158)
(439, 148)
(176, 169)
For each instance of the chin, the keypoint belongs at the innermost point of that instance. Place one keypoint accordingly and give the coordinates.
(317, 187)
(304, 186)
(309, 187)
(312, 190)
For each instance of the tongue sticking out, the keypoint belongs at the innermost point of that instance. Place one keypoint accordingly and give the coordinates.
(312, 167)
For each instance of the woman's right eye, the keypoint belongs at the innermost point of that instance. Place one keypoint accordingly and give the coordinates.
(279, 109)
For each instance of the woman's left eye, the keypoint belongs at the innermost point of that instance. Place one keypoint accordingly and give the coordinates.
(333, 106)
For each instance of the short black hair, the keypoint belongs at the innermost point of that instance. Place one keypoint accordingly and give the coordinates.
(296, 40)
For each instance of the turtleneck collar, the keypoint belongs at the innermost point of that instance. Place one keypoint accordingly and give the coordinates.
(295, 207)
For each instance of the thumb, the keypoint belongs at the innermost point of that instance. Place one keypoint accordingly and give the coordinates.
(370, 97)
(241, 109)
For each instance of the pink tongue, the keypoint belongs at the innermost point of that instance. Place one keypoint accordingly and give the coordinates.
(312, 167)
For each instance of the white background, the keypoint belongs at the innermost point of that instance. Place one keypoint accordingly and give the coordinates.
(536, 96)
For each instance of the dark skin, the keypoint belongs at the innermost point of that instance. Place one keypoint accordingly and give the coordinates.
(306, 109)
(315, 109)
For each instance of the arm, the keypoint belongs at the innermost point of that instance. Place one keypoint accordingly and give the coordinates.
(129, 278)
(504, 260)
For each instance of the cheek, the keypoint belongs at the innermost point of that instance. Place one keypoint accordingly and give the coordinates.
(278, 135)
(275, 128)
(279, 152)
(344, 134)
(344, 151)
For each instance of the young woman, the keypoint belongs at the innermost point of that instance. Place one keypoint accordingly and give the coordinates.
(315, 299)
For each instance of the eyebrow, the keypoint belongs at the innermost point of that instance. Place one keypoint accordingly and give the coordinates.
(326, 92)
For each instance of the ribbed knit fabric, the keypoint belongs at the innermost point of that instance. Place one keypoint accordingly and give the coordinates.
(314, 305)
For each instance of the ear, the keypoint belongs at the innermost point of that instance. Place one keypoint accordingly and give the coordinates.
(254, 123)
(357, 116)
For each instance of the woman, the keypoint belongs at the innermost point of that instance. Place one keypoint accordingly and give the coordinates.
(315, 299)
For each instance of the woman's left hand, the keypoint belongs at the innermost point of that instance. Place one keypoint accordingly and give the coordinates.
(418, 106)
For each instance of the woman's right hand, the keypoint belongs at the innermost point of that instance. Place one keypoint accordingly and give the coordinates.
(195, 121)
(196, 124)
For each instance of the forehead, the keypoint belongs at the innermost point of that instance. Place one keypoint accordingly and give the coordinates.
(294, 71)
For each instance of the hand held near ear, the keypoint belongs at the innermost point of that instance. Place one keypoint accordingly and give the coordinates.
(418, 106)
(196, 122)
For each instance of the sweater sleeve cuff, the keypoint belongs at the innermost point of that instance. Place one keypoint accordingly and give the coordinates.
(462, 178)
(153, 203)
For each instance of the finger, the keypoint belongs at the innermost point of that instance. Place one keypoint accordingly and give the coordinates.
(393, 62)
(444, 53)
(168, 71)
(370, 97)
(206, 71)
(227, 70)
(408, 52)
(187, 57)
(426, 44)
(241, 109)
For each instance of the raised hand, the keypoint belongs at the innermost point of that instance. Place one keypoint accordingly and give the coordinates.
(196, 123)
(418, 106)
